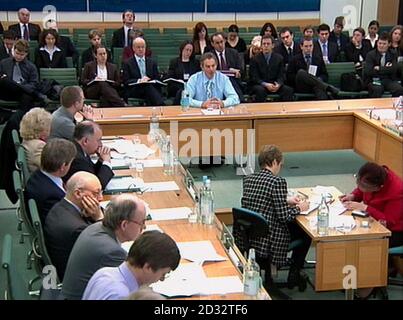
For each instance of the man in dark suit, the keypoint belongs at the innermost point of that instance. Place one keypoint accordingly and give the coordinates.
(267, 73)
(19, 77)
(380, 70)
(69, 217)
(7, 44)
(307, 73)
(65, 43)
(358, 48)
(24, 29)
(137, 74)
(288, 48)
(337, 36)
(229, 62)
(325, 48)
(45, 186)
(87, 140)
(121, 38)
(99, 245)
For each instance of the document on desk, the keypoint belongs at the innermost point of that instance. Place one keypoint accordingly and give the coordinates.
(187, 280)
(199, 251)
(211, 112)
(136, 151)
(328, 190)
(119, 164)
(124, 184)
(342, 222)
(336, 209)
(161, 186)
(223, 285)
(119, 145)
(170, 213)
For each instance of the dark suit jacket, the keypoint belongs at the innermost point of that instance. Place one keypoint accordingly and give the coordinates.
(332, 50)
(3, 51)
(374, 59)
(118, 38)
(90, 72)
(353, 54)
(176, 70)
(131, 70)
(42, 59)
(33, 29)
(260, 71)
(44, 191)
(298, 62)
(1, 28)
(129, 53)
(69, 49)
(95, 248)
(281, 49)
(232, 59)
(83, 163)
(63, 224)
(28, 72)
(344, 40)
(88, 56)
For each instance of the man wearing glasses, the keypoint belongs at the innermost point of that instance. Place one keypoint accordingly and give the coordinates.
(99, 245)
(69, 217)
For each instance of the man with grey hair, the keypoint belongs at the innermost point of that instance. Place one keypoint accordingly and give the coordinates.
(69, 217)
(99, 245)
(63, 119)
(24, 29)
(87, 139)
(45, 186)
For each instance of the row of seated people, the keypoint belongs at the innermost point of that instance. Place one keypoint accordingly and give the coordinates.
(303, 72)
(75, 225)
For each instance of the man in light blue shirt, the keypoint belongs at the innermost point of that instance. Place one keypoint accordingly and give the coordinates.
(150, 258)
(209, 88)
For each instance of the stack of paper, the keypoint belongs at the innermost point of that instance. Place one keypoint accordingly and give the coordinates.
(136, 151)
(336, 209)
(119, 164)
(189, 279)
(342, 222)
(170, 213)
(199, 251)
(382, 114)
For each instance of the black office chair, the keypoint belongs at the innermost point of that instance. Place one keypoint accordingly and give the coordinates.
(251, 225)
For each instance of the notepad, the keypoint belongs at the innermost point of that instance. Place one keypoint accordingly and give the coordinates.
(344, 222)
(199, 251)
(161, 186)
(170, 213)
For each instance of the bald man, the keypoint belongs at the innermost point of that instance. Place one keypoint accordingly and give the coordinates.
(69, 217)
(24, 29)
(138, 71)
(99, 245)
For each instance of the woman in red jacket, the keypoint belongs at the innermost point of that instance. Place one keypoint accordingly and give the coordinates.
(379, 192)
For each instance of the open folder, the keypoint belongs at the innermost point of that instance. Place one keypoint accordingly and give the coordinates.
(148, 82)
(121, 184)
(98, 80)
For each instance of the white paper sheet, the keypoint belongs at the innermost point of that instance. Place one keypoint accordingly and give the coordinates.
(161, 186)
(313, 70)
(346, 223)
(187, 280)
(135, 151)
(223, 285)
(211, 112)
(125, 182)
(119, 164)
(336, 209)
(199, 251)
(152, 163)
(170, 213)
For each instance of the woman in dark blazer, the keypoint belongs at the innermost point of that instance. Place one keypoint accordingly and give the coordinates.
(88, 55)
(201, 39)
(48, 54)
(181, 68)
(101, 80)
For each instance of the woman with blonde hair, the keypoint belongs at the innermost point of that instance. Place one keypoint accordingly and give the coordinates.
(34, 131)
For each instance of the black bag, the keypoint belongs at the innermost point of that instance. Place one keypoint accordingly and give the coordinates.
(351, 81)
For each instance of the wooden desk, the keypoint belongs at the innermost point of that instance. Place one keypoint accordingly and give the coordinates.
(293, 126)
(182, 230)
(364, 248)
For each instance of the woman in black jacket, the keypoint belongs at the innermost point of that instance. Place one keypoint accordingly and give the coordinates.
(181, 68)
(48, 54)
